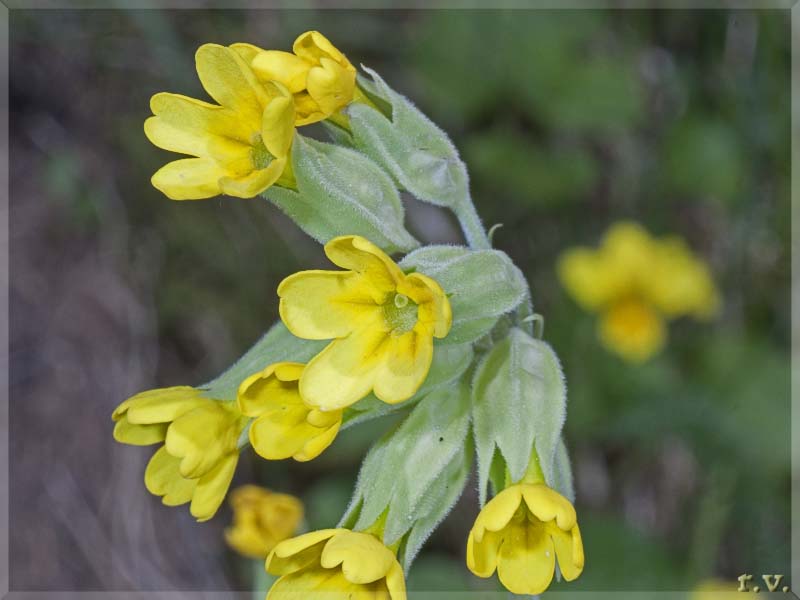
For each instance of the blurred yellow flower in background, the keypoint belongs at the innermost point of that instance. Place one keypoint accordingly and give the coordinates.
(335, 563)
(520, 533)
(200, 451)
(321, 78)
(261, 519)
(636, 282)
(381, 320)
(241, 146)
(284, 425)
(716, 589)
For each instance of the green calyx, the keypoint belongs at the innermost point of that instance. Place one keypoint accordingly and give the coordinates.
(260, 155)
(400, 314)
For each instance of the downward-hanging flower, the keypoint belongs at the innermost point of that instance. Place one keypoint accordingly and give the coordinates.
(636, 283)
(321, 78)
(261, 519)
(335, 564)
(284, 425)
(520, 533)
(200, 451)
(241, 145)
(382, 322)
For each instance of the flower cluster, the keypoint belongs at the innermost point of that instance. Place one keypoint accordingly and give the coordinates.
(636, 283)
(444, 337)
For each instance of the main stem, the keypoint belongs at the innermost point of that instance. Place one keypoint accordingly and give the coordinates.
(471, 225)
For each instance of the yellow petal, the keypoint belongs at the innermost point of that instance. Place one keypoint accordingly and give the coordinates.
(183, 124)
(212, 487)
(406, 364)
(298, 552)
(189, 179)
(230, 81)
(331, 86)
(435, 313)
(546, 504)
(498, 511)
(273, 387)
(165, 406)
(395, 583)
(307, 110)
(255, 182)
(277, 123)
(312, 46)
(246, 541)
(355, 253)
(318, 583)
(633, 330)
(344, 372)
(139, 435)
(526, 562)
(285, 67)
(202, 437)
(247, 51)
(362, 557)
(482, 556)
(569, 551)
(281, 432)
(162, 478)
(321, 305)
(163, 395)
(317, 444)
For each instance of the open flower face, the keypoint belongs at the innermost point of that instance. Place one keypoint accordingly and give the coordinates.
(382, 322)
(521, 532)
(335, 564)
(321, 78)
(200, 452)
(261, 519)
(241, 145)
(284, 425)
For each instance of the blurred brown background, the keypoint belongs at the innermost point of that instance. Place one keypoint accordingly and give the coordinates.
(568, 121)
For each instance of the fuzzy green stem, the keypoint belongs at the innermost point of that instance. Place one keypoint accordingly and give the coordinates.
(471, 225)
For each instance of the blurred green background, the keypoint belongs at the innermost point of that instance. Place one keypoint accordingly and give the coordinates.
(567, 120)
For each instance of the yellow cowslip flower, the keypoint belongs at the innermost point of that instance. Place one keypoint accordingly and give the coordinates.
(381, 320)
(200, 451)
(715, 589)
(520, 533)
(637, 282)
(335, 564)
(320, 77)
(261, 519)
(241, 145)
(284, 425)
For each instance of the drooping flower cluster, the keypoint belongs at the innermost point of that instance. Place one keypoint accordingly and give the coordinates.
(445, 333)
(636, 283)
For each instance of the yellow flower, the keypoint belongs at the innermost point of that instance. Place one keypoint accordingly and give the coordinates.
(715, 589)
(381, 320)
(261, 519)
(241, 145)
(636, 282)
(336, 564)
(521, 532)
(321, 78)
(200, 451)
(284, 425)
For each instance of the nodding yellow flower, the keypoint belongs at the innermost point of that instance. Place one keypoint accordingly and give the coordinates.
(200, 451)
(637, 282)
(381, 320)
(284, 425)
(261, 519)
(520, 533)
(241, 145)
(321, 78)
(335, 564)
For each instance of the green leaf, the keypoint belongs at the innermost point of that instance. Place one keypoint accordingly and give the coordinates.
(410, 146)
(342, 192)
(400, 469)
(277, 345)
(449, 363)
(482, 286)
(519, 399)
(562, 472)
